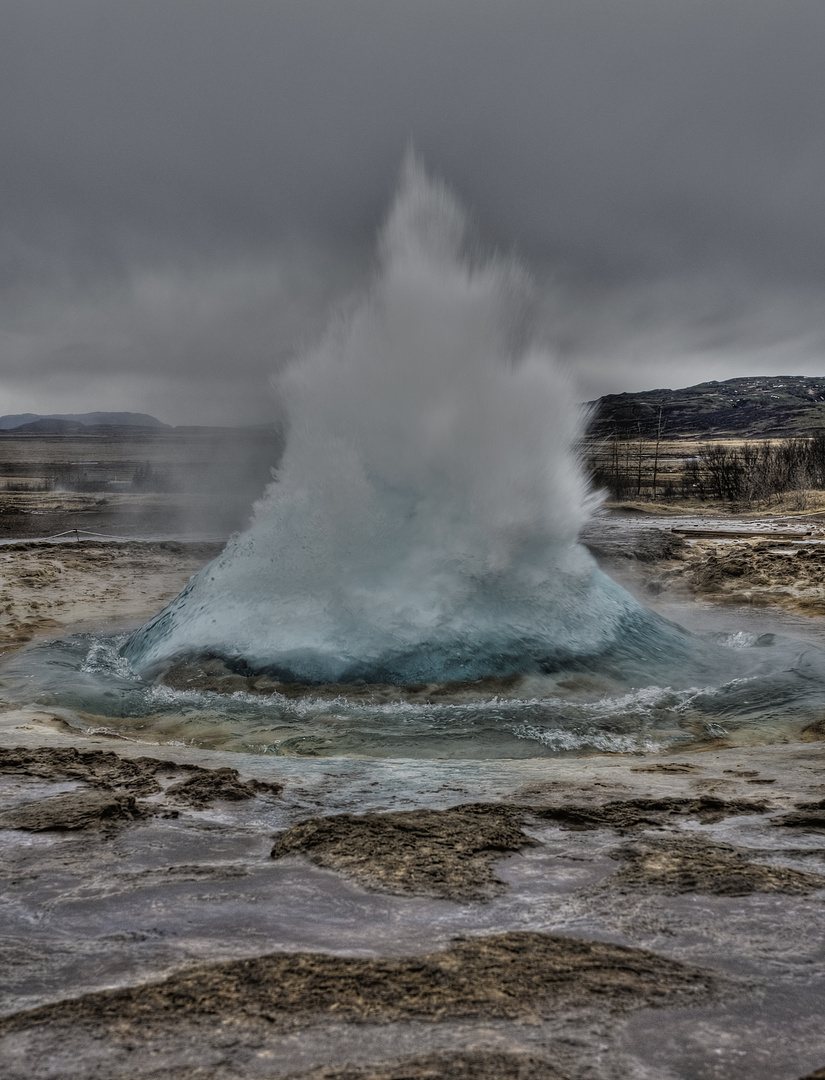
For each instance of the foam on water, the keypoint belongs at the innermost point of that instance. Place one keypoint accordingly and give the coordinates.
(424, 519)
(766, 691)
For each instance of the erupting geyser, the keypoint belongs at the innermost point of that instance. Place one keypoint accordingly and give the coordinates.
(424, 519)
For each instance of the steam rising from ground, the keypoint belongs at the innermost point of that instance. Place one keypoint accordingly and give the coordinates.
(423, 523)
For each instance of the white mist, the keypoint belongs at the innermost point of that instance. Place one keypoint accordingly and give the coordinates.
(423, 523)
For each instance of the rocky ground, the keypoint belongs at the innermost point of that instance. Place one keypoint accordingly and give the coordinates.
(744, 562)
(204, 915)
(602, 918)
(45, 588)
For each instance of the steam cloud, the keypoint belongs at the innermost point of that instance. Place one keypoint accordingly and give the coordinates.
(424, 520)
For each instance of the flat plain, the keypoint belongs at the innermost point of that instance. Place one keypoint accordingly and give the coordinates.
(170, 910)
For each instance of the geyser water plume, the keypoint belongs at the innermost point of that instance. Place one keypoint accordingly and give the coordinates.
(424, 519)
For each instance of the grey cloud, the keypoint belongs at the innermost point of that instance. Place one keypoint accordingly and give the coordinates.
(620, 145)
(203, 339)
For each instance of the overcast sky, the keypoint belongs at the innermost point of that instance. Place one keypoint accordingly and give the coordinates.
(186, 186)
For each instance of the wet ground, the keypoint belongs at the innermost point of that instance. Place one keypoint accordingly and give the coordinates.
(166, 910)
(746, 562)
(323, 914)
(47, 588)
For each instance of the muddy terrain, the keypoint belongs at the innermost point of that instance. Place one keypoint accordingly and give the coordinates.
(288, 919)
(133, 483)
(211, 915)
(47, 588)
(745, 562)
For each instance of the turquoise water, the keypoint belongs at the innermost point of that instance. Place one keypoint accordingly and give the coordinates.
(640, 696)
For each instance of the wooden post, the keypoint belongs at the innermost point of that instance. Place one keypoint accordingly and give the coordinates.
(659, 429)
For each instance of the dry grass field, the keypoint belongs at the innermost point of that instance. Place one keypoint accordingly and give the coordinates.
(698, 475)
(154, 483)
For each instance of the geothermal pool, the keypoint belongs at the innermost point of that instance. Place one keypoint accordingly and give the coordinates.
(411, 583)
(742, 687)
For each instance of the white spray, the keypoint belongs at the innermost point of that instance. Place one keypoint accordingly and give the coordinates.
(423, 523)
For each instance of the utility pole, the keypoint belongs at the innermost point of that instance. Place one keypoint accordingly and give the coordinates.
(659, 429)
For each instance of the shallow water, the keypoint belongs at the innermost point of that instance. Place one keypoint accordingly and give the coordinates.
(166, 893)
(736, 686)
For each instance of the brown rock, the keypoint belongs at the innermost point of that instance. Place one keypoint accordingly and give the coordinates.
(446, 853)
(75, 810)
(137, 776)
(199, 790)
(814, 732)
(808, 815)
(693, 865)
(508, 976)
(642, 813)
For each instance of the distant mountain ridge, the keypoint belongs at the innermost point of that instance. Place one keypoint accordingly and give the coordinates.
(755, 407)
(76, 421)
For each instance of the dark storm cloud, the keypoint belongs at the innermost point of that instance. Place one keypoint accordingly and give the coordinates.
(186, 185)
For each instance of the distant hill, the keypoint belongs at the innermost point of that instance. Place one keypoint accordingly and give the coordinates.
(63, 422)
(48, 426)
(759, 407)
